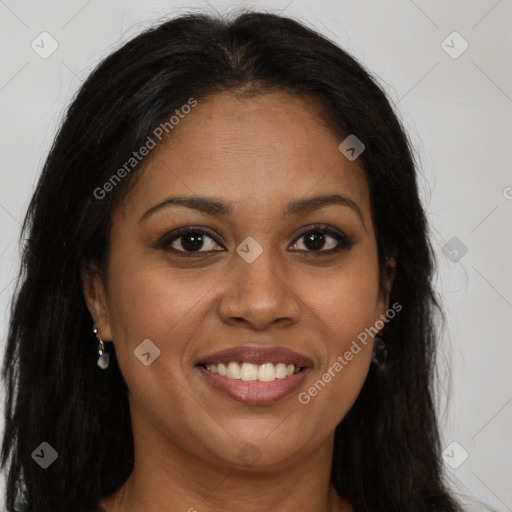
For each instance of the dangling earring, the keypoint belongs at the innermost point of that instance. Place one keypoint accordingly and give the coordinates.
(104, 357)
(380, 352)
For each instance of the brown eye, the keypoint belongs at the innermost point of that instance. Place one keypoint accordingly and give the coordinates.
(189, 240)
(322, 240)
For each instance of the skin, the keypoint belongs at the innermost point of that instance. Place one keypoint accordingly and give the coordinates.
(258, 154)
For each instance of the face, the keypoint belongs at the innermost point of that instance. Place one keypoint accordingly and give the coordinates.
(263, 273)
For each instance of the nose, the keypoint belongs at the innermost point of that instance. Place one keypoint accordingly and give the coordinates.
(258, 295)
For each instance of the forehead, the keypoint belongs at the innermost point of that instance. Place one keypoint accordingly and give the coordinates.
(259, 151)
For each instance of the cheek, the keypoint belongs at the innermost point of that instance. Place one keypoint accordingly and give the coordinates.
(345, 303)
(149, 302)
(344, 308)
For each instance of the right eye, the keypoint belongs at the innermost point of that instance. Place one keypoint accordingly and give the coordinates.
(189, 240)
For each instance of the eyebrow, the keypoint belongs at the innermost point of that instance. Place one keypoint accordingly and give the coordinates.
(215, 207)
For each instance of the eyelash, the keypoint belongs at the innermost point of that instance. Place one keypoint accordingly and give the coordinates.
(344, 243)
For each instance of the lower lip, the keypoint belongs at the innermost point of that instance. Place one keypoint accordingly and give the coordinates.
(255, 392)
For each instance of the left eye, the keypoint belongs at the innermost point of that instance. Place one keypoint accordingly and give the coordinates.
(321, 240)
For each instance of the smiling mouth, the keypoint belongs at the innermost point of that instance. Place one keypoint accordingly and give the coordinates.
(266, 372)
(255, 374)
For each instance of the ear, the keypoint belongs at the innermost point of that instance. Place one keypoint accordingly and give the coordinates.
(95, 294)
(387, 276)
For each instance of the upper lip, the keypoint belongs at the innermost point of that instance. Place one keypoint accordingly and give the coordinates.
(257, 355)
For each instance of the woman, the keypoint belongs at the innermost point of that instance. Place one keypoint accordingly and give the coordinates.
(225, 300)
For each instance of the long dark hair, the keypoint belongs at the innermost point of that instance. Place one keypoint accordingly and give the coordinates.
(387, 453)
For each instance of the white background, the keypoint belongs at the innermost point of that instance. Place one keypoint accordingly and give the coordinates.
(458, 112)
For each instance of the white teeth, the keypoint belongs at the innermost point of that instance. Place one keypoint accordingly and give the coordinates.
(280, 371)
(222, 369)
(266, 372)
(233, 370)
(249, 371)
